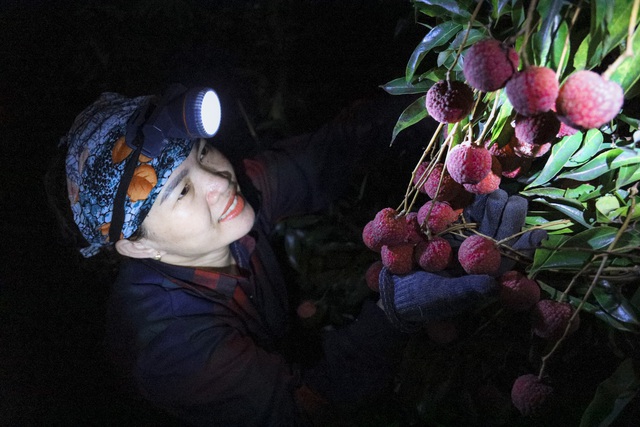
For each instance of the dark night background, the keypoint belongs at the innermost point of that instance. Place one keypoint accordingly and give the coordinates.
(288, 65)
(291, 65)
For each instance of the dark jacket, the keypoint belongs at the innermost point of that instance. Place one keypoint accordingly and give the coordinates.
(207, 346)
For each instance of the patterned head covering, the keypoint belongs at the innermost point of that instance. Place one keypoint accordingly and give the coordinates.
(95, 163)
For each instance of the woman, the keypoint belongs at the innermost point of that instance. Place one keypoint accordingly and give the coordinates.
(198, 315)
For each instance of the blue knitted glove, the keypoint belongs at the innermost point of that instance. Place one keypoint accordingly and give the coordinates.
(419, 297)
(499, 216)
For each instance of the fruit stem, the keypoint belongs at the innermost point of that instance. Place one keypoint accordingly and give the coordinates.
(566, 46)
(527, 33)
(628, 52)
(466, 36)
(479, 141)
(535, 227)
(605, 257)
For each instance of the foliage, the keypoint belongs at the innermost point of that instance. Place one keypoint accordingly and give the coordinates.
(584, 192)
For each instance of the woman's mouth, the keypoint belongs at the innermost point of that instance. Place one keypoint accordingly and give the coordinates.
(233, 208)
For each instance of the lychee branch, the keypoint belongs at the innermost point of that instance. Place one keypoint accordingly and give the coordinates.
(464, 39)
(527, 32)
(605, 257)
(628, 52)
(567, 39)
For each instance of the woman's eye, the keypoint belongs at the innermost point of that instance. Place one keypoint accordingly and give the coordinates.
(203, 152)
(184, 191)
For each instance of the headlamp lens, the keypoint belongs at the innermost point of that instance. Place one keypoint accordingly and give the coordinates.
(210, 113)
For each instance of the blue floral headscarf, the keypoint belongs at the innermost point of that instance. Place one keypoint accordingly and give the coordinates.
(95, 163)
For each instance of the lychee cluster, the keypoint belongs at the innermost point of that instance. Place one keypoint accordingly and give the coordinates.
(545, 110)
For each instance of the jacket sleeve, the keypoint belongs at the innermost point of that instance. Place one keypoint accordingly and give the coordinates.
(304, 174)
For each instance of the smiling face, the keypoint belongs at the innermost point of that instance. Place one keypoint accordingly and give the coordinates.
(199, 212)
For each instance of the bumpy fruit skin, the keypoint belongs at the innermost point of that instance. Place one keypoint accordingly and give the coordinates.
(489, 183)
(468, 164)
(414, 234)
(438, 216)
(529, 394)
(538, 129)
(449, 101)
(512, 164)
(517, 291)
(449, 189)
(533, 90)
(587, 101)
(388, 227)
(434, 254)
(372, 276)
(398, 258)
(489, 64)
(550, 318)
(479, 255)
(371, 238)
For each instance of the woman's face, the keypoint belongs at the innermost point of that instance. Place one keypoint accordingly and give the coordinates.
(199, 211)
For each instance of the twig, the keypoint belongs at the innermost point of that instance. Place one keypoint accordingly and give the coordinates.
(628, 52)
(605, 257)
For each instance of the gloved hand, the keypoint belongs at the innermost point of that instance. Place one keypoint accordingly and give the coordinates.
(499, 216)
(413, 299)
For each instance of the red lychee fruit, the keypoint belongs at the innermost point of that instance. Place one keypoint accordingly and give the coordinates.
(449, 189)
(533, 90)
(526, 150)
(449, 101)
(479, 255)
(529, 394)
(306, 309)
(398, 258)
(438, 216)
(489, 64)
(586, 100)
(512, 165)
(434, 254)
(388, 227)
(489, 183)
(442, 332)
(550, 318)
(414, 234)
(468, 164)
(517, 291)
(372, 276)
(538, 129)
(371, 238)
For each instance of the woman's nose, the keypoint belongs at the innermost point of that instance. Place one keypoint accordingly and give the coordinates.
(218, 183)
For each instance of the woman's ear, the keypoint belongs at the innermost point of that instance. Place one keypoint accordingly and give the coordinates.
(135, 249)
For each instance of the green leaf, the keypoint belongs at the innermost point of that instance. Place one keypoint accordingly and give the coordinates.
(451, 6)
(410, 116)
(560, 154)
(627, 175)
(550, 192)
(612, 395)
(439, 35)
(580, 58)
(558, 42)
(548, 10)
(400, 86)
(618, 24)
(615, 304)
(504, 114)
(604, 162)
(605, 205)
(626, 75)
(570, 208)
(590, 146)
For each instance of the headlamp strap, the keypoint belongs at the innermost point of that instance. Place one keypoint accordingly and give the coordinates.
(117, 217)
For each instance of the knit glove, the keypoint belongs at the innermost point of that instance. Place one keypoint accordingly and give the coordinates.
(499, 216)
(414, 299)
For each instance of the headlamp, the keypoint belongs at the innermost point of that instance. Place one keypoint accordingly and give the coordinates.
(180, 113)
